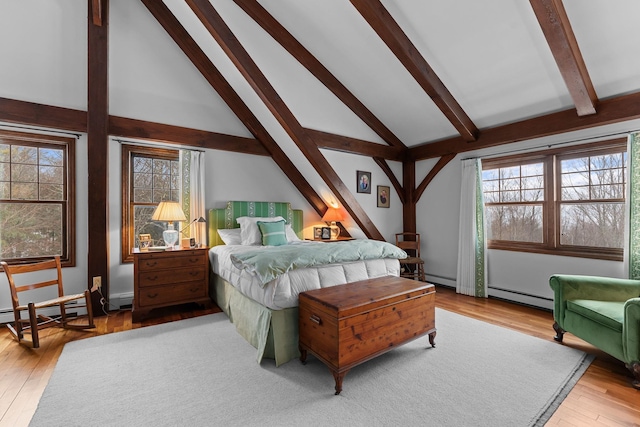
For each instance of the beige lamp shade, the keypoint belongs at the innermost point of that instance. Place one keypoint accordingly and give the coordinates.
(169, 211)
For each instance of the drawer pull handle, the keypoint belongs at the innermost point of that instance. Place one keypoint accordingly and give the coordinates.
(152, 295)
(194, 260)
(151, 263)
(152, 278)
(315, 319)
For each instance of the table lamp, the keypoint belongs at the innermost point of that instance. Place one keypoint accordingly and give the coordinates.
(169, 212)
(332, 215)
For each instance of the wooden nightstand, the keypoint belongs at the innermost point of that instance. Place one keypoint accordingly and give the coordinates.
(168, 278)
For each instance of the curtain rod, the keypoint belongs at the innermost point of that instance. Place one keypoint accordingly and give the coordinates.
(157, 144)
(38, 129)
(516, 150)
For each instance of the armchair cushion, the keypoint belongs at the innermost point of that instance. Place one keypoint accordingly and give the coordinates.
(606, 313)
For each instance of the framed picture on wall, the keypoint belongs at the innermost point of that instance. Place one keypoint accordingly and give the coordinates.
(384, 194)
(363, 181)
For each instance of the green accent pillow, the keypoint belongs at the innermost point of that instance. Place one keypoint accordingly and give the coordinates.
(273, 233)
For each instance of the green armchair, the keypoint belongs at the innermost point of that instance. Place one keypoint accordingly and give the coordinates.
(603, 311)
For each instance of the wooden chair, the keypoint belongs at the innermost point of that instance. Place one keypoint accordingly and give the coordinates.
(413, 266)
(35, 320)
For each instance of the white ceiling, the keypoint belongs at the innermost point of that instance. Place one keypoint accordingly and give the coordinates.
(491, 55)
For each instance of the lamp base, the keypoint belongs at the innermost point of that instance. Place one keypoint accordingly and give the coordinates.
(335, 231)
(170, 237)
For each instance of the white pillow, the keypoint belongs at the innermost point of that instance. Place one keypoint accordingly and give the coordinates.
(230, 236)
(249, 231)
(291, 235)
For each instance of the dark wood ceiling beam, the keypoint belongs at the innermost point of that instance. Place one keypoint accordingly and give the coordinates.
(347, 144)
(30, 113)
(392, 35)
(444, 160)
(202, 62)
(556, 27)
(394, 181)
(214, 23)
(140, 129)
(98, 152)
(315, 67)
(97, 12)
(610, 111)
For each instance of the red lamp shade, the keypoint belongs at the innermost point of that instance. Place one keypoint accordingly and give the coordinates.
(332, 215)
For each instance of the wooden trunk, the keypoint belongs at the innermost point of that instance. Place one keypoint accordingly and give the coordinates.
(346, 325)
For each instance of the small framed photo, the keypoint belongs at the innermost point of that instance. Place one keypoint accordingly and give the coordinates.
(383, 196)
(317, 233)
(326, 233)
(363, 181)
(145, 242)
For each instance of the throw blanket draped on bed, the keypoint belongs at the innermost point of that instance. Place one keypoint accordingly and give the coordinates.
(267, 265)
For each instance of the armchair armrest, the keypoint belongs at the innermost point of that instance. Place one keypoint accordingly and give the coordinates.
(568, 287)
(631, 331)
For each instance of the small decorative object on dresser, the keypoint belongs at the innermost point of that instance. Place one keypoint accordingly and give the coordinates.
(145, 242)
(168, 278)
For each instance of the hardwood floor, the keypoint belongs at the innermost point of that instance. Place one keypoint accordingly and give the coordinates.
(602, 397)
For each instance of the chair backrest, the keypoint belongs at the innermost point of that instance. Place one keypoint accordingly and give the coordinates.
(409, 242)
(12, 270)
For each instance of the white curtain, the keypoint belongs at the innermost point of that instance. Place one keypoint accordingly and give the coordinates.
(632, 208)
(471, 277)
(197, 206)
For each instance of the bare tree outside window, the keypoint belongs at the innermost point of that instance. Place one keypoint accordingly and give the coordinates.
(150, 176)
(567, 202)
(36, 218)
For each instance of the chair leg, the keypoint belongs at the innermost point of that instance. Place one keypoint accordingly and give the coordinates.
(33, 321)
(87, 298)
(559, 332)
(634, 367)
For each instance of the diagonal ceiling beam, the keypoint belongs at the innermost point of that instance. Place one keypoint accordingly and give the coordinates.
(214, 23)
(444, 160)
(315, 67)
(394, 181)
(392, 35)
(613, 110)
(202, 62)
(556, 27)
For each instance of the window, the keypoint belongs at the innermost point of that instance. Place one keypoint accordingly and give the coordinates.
(564, 202)
(149, 176)
(37, 193)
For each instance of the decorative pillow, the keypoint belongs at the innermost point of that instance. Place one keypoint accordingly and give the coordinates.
(230, 236)
(250, 233)
(273, 233)
(291, 235)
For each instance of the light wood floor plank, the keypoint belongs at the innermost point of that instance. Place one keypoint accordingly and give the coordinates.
(602, 397)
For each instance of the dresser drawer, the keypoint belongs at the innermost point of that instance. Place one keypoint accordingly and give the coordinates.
(163, 277)
(154, 262)
(173, 294)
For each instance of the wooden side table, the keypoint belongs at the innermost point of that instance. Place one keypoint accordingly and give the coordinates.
(164, 278)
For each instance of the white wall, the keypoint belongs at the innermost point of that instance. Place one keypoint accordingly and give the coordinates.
(517, 276)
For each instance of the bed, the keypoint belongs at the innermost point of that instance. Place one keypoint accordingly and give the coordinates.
(263, 307)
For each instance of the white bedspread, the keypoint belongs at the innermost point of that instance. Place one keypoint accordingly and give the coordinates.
(283, 291)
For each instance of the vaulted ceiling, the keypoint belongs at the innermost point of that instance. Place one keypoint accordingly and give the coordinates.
(410, 73)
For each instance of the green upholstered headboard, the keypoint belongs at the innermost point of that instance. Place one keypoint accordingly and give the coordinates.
(226, 217)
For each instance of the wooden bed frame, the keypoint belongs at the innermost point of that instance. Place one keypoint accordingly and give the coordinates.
(274, 333)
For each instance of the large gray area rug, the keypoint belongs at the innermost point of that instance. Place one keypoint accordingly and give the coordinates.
(200, 372)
